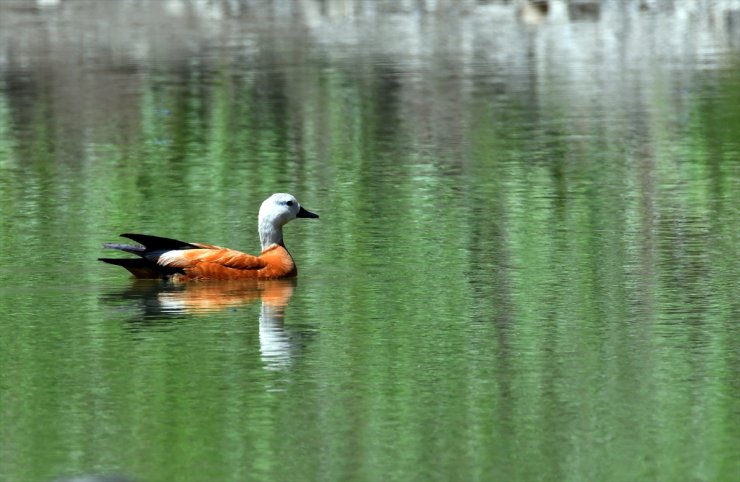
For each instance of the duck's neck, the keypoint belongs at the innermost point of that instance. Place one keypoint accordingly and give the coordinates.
(270, 233)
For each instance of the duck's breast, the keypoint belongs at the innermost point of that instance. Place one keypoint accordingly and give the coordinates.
(278, 263)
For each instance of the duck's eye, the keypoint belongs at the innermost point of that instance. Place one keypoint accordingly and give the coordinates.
(289, 203)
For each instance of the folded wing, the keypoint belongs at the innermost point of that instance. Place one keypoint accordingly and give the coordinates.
(192, 258)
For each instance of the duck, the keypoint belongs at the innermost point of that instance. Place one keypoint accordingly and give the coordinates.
(180, 261)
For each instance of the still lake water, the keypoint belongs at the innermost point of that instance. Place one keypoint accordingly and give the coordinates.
(526, 266)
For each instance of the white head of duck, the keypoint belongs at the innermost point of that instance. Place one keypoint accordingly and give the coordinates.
(275, 211)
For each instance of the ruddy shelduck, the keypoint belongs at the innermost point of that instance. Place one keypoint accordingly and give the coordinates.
(182, 261)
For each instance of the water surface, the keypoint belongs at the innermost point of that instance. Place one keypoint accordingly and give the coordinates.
(526, 266)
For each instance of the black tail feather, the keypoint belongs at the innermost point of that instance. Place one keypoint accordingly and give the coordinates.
(142, 267)
(149, 251)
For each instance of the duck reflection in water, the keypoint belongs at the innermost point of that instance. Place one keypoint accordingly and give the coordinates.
(155, 302)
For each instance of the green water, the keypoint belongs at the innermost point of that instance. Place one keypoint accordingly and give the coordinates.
(526, 265)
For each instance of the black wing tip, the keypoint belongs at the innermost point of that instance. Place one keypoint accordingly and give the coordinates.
(158, 243)
(125, 247)
(117, 261)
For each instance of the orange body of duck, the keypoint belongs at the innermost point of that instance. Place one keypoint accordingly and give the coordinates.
(183, 261)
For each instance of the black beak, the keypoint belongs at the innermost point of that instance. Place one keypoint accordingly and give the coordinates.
(303, 213)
